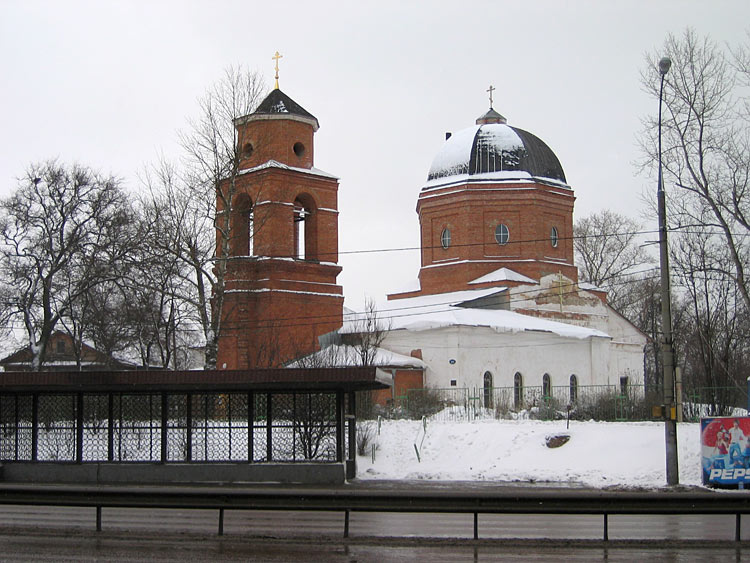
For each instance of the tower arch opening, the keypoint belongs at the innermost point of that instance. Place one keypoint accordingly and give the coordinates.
(305, 228)
(242, 226)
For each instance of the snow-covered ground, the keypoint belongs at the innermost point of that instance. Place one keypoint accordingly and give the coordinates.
(598, 454)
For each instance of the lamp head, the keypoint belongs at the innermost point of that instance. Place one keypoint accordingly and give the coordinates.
(664, 64)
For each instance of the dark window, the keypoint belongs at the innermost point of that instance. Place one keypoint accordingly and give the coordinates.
(502, 234)
(546, 386)
(445, 238)
(553, 237)
(573, 388)
(624, 385)
(487, 390)
(518, 391)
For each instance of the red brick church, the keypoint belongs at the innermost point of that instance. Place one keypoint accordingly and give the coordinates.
(281, 293)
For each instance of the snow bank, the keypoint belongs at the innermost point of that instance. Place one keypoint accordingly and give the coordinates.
(598, 454)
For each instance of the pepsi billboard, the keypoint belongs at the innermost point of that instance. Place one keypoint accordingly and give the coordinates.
(725, 451)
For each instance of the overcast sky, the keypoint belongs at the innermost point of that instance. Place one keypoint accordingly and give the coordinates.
(108, 84)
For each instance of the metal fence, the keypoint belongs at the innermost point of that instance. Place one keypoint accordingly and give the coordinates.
(580, 402)
(171, 427)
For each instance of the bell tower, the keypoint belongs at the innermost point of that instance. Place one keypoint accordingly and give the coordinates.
(281, 293)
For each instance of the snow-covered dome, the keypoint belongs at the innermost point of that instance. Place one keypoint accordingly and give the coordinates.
(495, 150)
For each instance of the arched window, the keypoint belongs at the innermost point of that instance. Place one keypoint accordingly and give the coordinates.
(487, 390)
(517, 391)
(546, 387)
(554, 237)
(250, 233)
(305, 228)
(241, 225)
(573, 389)
(300, 216)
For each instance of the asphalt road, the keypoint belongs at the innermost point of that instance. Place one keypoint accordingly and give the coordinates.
(68, 534)
(46, 533)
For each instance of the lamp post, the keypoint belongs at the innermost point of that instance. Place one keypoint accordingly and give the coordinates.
(667, 350)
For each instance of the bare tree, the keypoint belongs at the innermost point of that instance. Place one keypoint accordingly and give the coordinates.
(60, 232)
(369, 332)
(190, 210)
(706, 145)
(607, 250)
(712, 343)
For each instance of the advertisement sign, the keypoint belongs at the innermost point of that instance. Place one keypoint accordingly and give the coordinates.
(725, 451)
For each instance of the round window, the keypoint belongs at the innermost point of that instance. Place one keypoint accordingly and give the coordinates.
(553, 237)
(247, 150)
(445, 238)
(299, 149)
(502, 234)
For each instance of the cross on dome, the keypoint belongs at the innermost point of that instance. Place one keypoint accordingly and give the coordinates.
(276, 58)
(490, 90)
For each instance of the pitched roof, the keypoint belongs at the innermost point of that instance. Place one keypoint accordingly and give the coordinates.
(455, 308)
(277, 102)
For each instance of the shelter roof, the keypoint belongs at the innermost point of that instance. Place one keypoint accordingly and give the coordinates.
(282, 379)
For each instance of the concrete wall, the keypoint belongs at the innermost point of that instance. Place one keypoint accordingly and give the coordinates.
(174, 473)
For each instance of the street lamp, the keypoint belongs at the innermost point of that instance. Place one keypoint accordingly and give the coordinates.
(667, 350)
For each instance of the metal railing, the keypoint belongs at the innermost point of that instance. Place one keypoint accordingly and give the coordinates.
(348, 499)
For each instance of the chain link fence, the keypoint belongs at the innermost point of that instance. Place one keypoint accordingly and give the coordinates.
(171, 427)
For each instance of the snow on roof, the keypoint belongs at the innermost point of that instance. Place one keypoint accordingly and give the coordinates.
(501, 275)
(343, 355)
(453, 158)
(412, 285)
(276, 164)
(586, 286)
(442, 310)
(494, 177)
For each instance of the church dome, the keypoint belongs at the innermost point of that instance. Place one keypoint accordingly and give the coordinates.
(493, 150)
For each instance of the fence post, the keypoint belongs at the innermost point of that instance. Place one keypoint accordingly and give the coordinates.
(35, 427)
(738, 527)
(269, 426)
(250, 426)
(189, 427)
(164, 421)
(79, 427)
(110, 427)
(606, 527)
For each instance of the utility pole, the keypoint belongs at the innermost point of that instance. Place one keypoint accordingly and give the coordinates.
(667, 348)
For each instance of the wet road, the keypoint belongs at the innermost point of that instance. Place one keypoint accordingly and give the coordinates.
(44, 533)
(68, 534)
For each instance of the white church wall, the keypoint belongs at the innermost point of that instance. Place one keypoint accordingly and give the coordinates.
(626, 349)
(463, 354)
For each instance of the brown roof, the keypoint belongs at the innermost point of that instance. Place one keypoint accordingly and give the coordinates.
(303, 379)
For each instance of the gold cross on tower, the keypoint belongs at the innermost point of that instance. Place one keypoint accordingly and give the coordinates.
(490, 90)
(276, 58)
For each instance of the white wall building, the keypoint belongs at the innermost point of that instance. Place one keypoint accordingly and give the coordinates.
(497, 302)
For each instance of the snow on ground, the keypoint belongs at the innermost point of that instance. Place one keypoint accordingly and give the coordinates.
(598, 454)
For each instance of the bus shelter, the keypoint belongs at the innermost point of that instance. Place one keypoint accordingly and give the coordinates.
(260, 425)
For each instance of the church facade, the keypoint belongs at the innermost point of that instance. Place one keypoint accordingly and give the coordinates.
(281, 293)
(497, 302)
